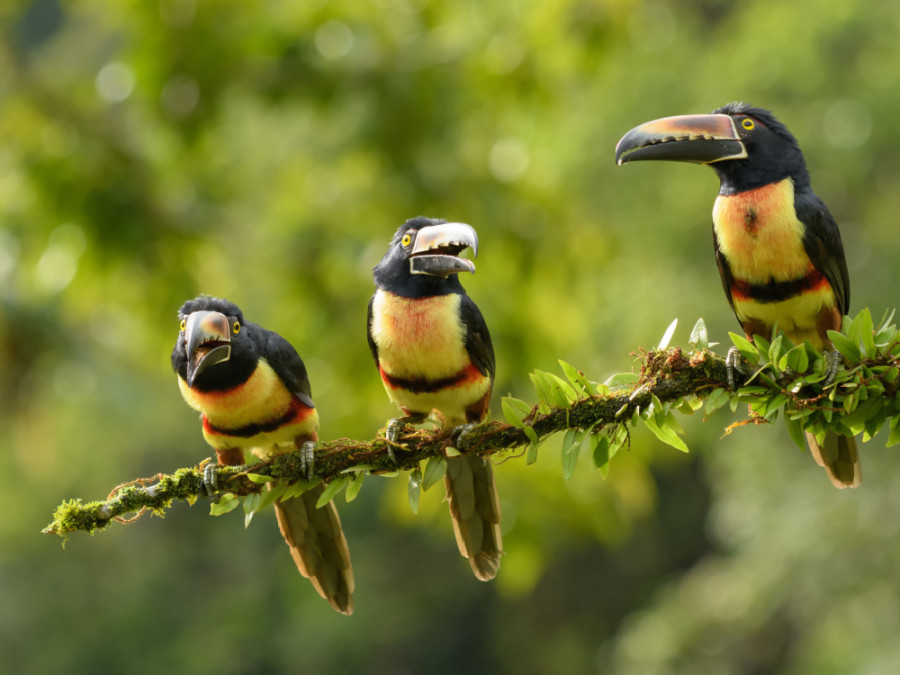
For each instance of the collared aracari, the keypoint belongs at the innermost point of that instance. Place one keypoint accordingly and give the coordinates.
(778, 248)
(434, 353)
(252, 391)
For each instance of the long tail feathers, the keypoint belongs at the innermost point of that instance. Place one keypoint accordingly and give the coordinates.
(318, 546)
(475, 510)
(839, 457)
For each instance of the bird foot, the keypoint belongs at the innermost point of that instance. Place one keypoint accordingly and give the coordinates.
(211, 480)
(308, 459)
(393, 429)
(460, 433)
(733, 363)
(832, 365)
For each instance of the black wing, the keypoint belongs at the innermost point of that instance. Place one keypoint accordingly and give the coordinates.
(372, 346)
(724, 270)
(287, 364)
(478, 338)
(822, 242)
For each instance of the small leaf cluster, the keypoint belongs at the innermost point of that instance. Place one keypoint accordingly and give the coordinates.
(798, 379)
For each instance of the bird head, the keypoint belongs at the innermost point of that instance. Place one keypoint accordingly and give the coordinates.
(748, 147)
(213, 349)
(424, 257)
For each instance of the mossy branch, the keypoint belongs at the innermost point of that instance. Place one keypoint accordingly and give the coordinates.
(668, 375)
(778, 378)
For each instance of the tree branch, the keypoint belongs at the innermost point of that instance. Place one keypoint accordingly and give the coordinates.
(778, 377)
(668, 375)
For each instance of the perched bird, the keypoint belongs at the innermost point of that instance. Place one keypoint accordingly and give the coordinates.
(434, 353)
(252, 391)
(777, 246)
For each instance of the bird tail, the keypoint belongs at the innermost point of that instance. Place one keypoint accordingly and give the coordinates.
(475, 510)
(839, 457)
(318, 546)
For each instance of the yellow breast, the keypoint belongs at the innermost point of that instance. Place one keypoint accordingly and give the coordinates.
(261, 399)
(419, 338)
(760, 235)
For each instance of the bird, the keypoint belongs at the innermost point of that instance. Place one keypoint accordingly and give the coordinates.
(434, 354)
(252, 390)
(777, 246)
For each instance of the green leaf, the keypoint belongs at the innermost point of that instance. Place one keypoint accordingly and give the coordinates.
(532, 454)
(514, 410)
(716, 399)
(620, 379)
(562, 391)
(570, 446)
(414, 489)
(600, 454)
(860, 332)
(667, 336)
(762, 344)
(795, 431)
(250, 502)
(796, 359)
(845, 346)
(666, 435)
(775, 348)
(699, 337)
(894, 436)
(576, 377)
(616, 441)
(270, 495)
(435, 469)
(356, 481)
(331, 490)
(747, 349)
(552, 389)
(227, 502)
(259, 478)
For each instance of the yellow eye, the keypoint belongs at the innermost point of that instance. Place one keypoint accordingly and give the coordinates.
(183, 324)
(407, 240)
(236, 327)
(747, 123)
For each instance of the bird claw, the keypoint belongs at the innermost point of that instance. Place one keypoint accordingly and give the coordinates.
(460, 433)
(733, 363)
(211, 481)
(392, 435)
(392, 431)
(832, 365)
(308, 460)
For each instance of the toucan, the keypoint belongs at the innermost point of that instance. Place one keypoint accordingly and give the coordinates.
(435, 358)
(252, 391)
(777, 246)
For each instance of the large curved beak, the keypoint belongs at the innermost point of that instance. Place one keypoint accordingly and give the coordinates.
(702, 139)
(207, 341)
(437, 248)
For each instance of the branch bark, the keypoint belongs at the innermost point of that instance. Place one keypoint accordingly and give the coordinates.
(667, 374)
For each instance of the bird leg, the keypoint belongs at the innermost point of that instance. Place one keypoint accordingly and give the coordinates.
(395, 425)
(733, 362)
(459, 433)
(307, 458)
(211, 480)
(224, 457)
(832, 365)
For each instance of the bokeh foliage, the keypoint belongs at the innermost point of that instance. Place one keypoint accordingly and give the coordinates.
(266, 151)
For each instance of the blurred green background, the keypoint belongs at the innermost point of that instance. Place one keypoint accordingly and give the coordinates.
(266, 152)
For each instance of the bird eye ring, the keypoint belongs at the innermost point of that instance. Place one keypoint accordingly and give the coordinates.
(183, 324)
(407, 239)
(747, 123)
(236, 327)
